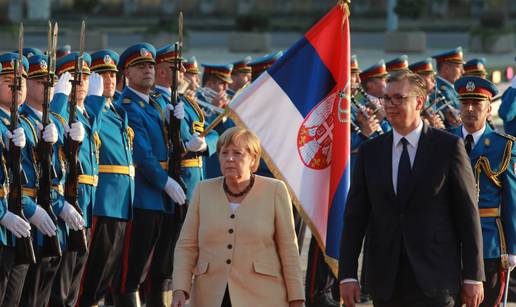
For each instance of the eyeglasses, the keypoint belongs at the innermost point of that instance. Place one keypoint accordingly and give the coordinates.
(396, 100)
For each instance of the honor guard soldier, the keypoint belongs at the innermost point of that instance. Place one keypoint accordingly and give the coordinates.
(259, 65)
(431, 116)
(192, 75)
(241, 76)
(449, 69)
(507, 110)
(114, 194)
(397, 64)
(372, 86)
(35, 213)
(11, 225)
(493, 159)
(63, 50)
(84, 131)
(475, 68)
(212, 96)
(198, 149)
(156, 192)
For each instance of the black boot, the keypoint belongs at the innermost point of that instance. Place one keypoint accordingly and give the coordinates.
(127, 300)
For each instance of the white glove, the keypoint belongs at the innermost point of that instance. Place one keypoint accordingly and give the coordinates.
(174, 191)
(512, 262)
(196, 143)
(179, 111)
(76, 132)
(63, 85)
(49, 134)
(71, 217)
(96, 85)
(18, 138)
(15, 224)
(513, 82)
(43, 222)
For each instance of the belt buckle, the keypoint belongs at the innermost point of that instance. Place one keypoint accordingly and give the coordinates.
(131, 170)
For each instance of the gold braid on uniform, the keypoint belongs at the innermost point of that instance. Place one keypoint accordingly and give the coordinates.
(34, 149)
(483, 164)
(62, 154)
(197, 108)
(130, 136)
(98, 144)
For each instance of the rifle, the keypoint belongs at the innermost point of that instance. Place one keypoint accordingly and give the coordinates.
(24, 250)
(175, 144)
(51, 246)
(77, 238)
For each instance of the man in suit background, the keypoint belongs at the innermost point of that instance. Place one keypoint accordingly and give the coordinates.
(417, 203)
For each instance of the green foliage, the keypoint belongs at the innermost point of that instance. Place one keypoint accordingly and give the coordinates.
(252, 23)
(410, 8)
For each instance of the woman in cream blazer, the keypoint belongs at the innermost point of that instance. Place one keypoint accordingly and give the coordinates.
(238, 246)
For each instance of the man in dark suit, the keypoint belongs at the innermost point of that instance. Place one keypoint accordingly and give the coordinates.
(417, 202)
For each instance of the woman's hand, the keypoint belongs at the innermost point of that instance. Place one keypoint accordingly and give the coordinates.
(179, 299)
(295, 304)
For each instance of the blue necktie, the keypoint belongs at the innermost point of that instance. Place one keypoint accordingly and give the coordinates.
(404, 173)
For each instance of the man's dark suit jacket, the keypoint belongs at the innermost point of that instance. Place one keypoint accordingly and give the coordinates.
(439, 224)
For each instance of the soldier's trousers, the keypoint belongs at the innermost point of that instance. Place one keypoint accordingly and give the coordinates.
(319, 278)
(38, 282)
(140, 246)
(104, 260)
(494, 284)
(65, 289)
(12, 277)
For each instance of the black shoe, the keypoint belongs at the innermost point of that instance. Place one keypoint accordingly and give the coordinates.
(323, 300)
(365, 297)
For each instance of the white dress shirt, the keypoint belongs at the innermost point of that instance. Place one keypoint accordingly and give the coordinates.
(476, 135)
(397, 148)
(140, 94)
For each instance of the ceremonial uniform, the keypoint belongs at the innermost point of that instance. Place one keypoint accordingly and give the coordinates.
(239, 67)
(493, 158)
(398, 64)
(66, 288)
(152, 208)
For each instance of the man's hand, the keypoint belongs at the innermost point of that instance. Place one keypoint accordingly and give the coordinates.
(472, 294)
(220, 100)
(350, 293)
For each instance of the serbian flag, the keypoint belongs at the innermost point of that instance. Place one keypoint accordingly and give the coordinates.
(299, 108)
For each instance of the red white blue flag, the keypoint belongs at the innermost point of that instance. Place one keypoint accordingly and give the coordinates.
(299, 108)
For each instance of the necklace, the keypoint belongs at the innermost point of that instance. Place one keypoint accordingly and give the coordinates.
(249, 186)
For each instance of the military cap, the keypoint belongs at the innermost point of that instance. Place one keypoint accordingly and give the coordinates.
(378, 70)
(67, 63)
(397, 64)
(354, 64)
(28, 52)
(63, 50)
(471, 87)
(223, 72)
(475, 67)
(104, 60)
(38, 66)
(258, 66)
(422, 67)
(139, 53)
(167, 54)
(191, 66)
(7, 60)
(453, 56)
(242, 65)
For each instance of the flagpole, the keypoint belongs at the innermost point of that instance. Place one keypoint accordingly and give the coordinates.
(215, 122)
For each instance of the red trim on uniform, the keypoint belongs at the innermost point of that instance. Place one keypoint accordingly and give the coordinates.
(262, 66)
(475, 68)
(457, 57)
(315, 260)
(478, 91)
(85, 271)
(219, 72)
(503, 279)
(422, 68)
(71, 66)
(125, 256)
(165, 57)
(101, 62)
(397, 66)
(377, 72)
(137, 57)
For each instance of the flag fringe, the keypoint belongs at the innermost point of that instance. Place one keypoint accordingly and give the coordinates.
(332, 262)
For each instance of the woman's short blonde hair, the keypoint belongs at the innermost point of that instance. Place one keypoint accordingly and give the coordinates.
(242, 138)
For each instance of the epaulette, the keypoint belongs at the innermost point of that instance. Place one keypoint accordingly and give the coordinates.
(507, 136)
(155, 95)
(126, 100)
